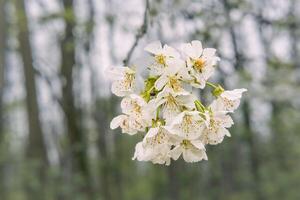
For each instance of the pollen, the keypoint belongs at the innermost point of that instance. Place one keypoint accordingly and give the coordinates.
(161, 59)
(199, 64)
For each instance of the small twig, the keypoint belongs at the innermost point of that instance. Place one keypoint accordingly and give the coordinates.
(142, 31)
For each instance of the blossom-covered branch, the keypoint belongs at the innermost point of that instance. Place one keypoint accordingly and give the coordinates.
(175, 121)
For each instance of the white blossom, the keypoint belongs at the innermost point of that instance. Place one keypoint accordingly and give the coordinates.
(191, 150)
(126, 123)
(173, 76)
(172, 103)
(155, 146)
(217, 123)
(135, 118)
(188, 124)
(162, 54)
(200, 62)
(229, 100)
(124, 80)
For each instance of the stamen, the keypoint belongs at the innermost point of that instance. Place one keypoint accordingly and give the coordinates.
(199, 64)
(175, 84)
(161, 59)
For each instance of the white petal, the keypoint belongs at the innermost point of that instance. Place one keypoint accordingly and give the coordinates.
(161, 82)
(217, 105)
(139, 100)
(198, 144)
(227, 133)
(153, 104)
(139, 152)
(209, 52)
(187, 100)
(164, 93)
(118, 89)
(115, 73)
(207, 72)
(188, 50)
(117, 121)
(176, 152)
(201, 81)
(126, 105)
(157, 70)
(174, 65)
(170, 52)
(225, 120)
(197, 46)
(184, 75)
(222, 132)
(233, 94)
(152, 132)
(178, 119)
(154, 48)
(169, 113)
(193, 155)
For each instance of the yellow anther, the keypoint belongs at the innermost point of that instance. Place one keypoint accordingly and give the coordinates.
(199, 64)
(175, 84)
(161, 59)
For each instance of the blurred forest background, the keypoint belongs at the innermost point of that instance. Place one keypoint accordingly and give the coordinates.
(55, 103)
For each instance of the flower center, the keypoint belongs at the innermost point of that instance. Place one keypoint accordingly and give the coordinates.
(171, 101)
(199, 64)
(157, 139)
(161, 59)
(136, 108)
(229, 104)
(129, 80)
(187, 123)
(186, 144)
(175, 84)
(214, 125)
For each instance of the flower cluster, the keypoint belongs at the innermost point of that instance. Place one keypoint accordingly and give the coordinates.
(172, 121)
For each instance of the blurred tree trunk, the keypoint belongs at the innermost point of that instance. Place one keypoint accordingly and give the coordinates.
(249, 134)
(99, 115)
(254, 152)
(36, 149)
(279, 139)
(104, 161)
(3, 38)
(115, 161)
(294, 35)
(77, 141)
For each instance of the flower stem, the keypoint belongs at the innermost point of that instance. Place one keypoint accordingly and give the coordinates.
(211, 84)
(157, 113)
(199, 106)
(218, 89)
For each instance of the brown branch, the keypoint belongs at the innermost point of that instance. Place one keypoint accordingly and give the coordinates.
(142, 31)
